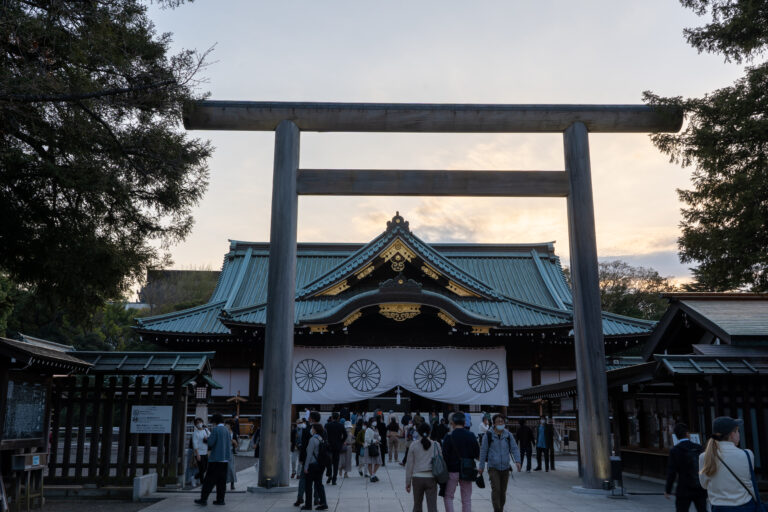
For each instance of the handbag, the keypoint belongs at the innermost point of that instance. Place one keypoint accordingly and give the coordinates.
(373, 450)
(758, 506)
(439, 468)
(480, 481)
(467, 467)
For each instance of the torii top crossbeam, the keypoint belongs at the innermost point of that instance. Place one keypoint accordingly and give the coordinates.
(428, 117)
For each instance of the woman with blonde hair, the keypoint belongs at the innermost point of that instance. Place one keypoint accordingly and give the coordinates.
(727, 471)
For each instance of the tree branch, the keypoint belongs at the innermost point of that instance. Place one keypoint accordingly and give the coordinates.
(57, 98)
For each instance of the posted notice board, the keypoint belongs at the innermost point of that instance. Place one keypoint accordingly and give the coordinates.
(151, 419)
(24, 410)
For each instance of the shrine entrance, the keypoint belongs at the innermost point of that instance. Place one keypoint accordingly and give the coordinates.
(574, 183)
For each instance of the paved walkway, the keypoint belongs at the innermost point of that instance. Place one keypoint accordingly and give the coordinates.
(535, 491)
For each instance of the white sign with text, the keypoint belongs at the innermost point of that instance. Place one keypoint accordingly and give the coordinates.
(151, 419)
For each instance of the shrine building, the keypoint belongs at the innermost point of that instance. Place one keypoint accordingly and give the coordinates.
(396, 323)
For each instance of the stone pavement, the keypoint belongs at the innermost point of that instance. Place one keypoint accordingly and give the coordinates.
(535, 491)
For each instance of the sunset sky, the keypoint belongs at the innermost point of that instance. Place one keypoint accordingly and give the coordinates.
(451, 52)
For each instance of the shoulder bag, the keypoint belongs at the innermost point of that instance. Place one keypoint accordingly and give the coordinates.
(758, 506)
(439, 467)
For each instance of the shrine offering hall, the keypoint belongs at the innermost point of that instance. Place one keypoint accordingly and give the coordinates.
(397, 323)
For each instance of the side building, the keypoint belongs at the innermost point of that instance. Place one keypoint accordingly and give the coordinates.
(397, 323)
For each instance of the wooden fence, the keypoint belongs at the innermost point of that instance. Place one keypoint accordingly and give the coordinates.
(91, 440)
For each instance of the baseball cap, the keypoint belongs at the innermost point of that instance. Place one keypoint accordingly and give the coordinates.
(724, 425)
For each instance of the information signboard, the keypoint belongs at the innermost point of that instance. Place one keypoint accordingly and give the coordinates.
(151, 419)
(25, 410)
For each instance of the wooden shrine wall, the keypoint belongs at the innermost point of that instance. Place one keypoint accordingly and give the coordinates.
(91, 440)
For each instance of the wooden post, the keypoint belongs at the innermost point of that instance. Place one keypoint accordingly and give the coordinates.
(594, 429)
(281, 291)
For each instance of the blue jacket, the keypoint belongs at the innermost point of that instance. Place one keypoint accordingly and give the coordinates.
(219, 444)
(461, 443)
(495, 450)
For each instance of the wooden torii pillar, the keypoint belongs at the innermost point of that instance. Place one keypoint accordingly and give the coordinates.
(575, 122)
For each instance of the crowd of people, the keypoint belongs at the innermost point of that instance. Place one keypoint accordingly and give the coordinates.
(440, 455)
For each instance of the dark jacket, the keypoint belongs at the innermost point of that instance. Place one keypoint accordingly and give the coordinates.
(439, 432)
(306, 433)
(549, 435)
(461, 443)
(336, 435)
(684, 465)
(294, 433)
(524, 436)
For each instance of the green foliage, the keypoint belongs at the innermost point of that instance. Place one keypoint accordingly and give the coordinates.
(739, 28)
(725, 140)
(173, 290)
(96, 172)
(631, 291)
(6, 302)
(107, 328)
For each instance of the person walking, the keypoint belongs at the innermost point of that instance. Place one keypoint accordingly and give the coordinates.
(359, 434)
(393, 439)
(483, 428)
(381, 428)
(683, 466)
(336, 435)
(440, 430)
(295, 440)
(219, 452)
(313, 469)
(460, 449)
(256, 441)
(524, 437)
(231, 473)
(544, 438)
(495, 451)
(372, 447)
(418, 470)
(727, 471)
(306, 434)
(345, 462)
(199, 440)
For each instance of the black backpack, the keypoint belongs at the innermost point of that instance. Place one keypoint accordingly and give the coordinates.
(323, 455)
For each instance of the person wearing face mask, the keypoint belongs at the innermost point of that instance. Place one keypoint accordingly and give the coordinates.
(544, 441)
(497, 447)
(200, 447)
(360, 430)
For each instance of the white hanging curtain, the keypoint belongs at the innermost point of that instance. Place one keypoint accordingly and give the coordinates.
(336, 375)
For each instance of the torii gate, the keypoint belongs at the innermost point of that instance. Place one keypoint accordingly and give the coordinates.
(287, 119)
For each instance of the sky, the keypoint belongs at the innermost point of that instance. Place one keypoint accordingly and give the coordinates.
(445, 52)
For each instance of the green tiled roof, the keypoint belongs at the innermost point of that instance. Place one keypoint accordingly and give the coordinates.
(522, 285)
(145, 363)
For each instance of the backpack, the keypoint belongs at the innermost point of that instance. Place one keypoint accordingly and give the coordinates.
(323, 455)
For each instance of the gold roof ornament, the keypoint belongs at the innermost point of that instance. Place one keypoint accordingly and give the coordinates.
(400, 312)
(336, 289)
(351, 318)
(398, 253)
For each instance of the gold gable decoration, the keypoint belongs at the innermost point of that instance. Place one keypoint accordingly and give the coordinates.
(318, 329)
(430, 272)
(351, 318)
(365, 272)
(460, 290)
(398, 253)
(446, 318)
(400, 312)
(336, 289)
